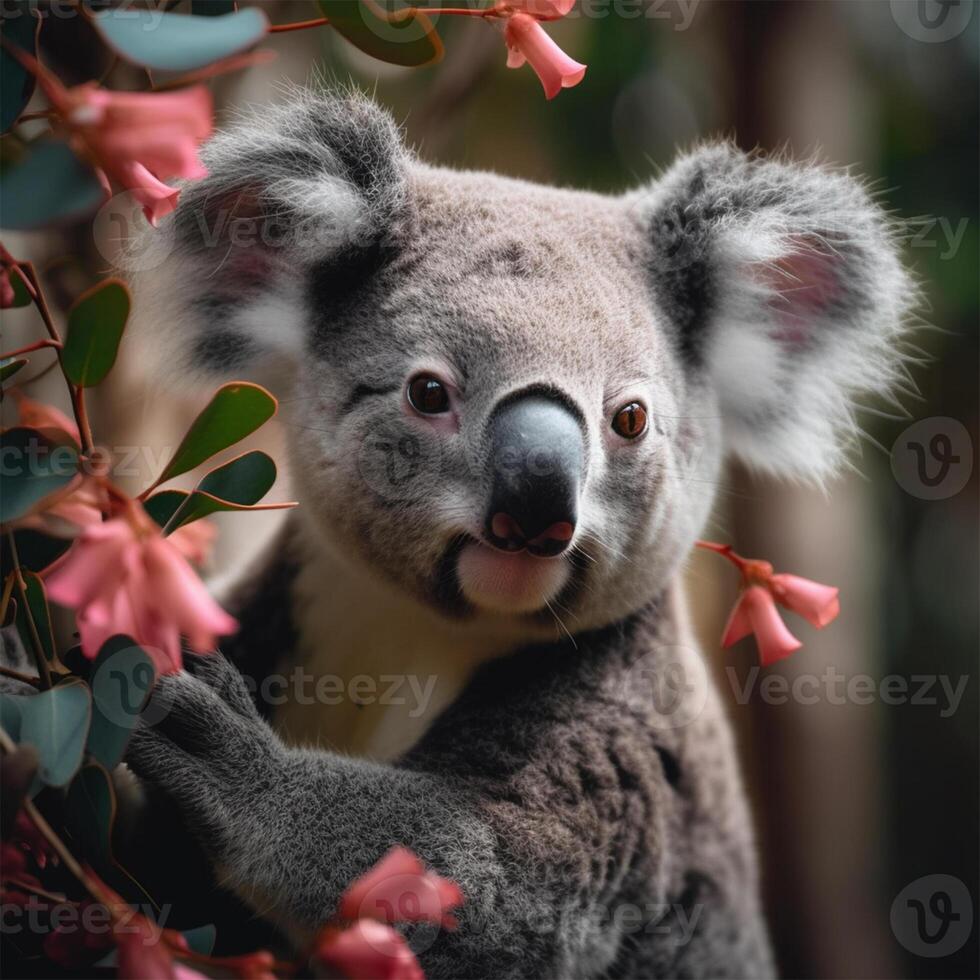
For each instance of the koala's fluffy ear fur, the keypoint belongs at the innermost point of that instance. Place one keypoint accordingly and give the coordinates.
(783, 286)
(221, 287)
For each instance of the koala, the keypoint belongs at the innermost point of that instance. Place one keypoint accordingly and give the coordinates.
(508, 407)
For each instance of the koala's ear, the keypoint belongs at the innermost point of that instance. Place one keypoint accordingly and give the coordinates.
(302, 203)
(783, 287)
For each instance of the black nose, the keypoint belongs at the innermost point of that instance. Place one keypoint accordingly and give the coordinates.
(538, 461)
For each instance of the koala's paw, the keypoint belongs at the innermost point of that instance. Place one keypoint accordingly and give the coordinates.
(202, 742)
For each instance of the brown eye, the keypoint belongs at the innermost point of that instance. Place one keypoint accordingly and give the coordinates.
(630, 421)
(428, 396)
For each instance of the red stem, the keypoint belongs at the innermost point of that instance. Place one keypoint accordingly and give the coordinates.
(402, 14)
(299, 25)
(725, 550)
(37, 345)
(77, 392)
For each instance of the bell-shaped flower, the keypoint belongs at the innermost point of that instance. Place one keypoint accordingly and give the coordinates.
(399, 889)
(137, 140)
(123, 576)
(816, 603)
(368, 950)
(527, 41)
(755, 612)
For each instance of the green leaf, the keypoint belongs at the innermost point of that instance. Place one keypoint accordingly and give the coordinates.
(90, 813)
(377, 30)
(162, 506)
(36, 551)
(212, 8)
(55, 722)
(122, 677)
(37, 601)
(201, 939)
(20, 27)
(96, 322)
(9, 366)
(34, 465)
(235, 411)
(10, 716)
(49, 186)
(178, 42)
(238, 485)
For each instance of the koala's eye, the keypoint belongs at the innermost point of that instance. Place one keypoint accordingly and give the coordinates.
(630, 421)
(427, 395)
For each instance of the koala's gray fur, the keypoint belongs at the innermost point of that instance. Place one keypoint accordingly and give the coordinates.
(745, 301)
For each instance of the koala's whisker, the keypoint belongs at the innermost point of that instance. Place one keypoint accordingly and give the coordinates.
(561, 625)
(618, 554)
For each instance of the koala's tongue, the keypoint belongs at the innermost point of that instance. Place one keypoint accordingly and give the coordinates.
(509, 582)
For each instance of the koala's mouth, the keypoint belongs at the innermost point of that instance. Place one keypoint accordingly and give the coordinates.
(508, 582)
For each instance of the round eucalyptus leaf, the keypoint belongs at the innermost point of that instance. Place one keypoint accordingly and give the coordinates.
(49, 186)
(178, 42)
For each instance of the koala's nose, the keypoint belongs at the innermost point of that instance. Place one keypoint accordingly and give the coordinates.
(538, 464)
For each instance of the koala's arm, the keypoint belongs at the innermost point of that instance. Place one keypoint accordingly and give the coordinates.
(543, 848)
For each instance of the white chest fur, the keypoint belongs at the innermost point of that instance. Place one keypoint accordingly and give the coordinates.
(375, 667)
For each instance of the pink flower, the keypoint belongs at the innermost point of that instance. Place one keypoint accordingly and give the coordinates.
(143, 952)
(76, 946)
(37, 415)
(819, 604)
(158, 199)
(399, 889)
(755, 612)
(195, 541)
(541, 9)
(123, 576)
(527, 41)
(368, 950)
(137, 139)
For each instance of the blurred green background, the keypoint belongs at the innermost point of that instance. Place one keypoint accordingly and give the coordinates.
(854, 801)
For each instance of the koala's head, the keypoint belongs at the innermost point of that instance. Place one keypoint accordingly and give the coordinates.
(504, 397)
